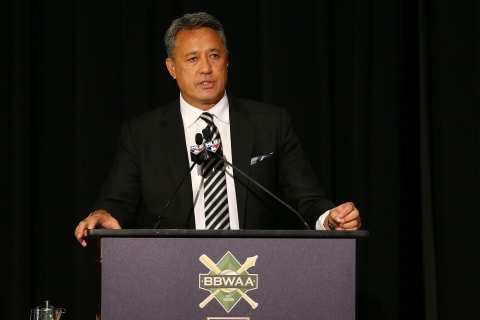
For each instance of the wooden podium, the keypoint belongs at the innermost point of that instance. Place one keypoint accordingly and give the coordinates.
(234, 275)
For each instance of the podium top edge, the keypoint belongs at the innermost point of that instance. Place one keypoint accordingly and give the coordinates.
(192, 233)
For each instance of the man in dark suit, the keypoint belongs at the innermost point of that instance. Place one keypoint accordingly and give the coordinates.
(148, 185)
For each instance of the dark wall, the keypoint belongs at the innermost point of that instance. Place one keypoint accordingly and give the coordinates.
(385, 96)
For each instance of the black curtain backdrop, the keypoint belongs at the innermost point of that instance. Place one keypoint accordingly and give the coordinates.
(391, 89)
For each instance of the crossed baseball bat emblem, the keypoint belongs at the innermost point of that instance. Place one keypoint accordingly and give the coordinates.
(249, 262)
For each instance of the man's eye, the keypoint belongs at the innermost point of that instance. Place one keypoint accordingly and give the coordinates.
(192, 59)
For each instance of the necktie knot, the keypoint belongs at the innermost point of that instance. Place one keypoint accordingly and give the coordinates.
(207, 117)
(210, 132)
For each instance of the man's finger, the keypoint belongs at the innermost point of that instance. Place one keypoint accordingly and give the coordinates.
(345, 209)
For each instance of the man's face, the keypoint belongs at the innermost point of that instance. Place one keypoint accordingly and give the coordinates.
(200, 67)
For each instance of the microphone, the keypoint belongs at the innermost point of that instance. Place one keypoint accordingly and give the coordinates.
(197, 152)
(198, 138)
(207, 133)
(198, 156)
(213, 148)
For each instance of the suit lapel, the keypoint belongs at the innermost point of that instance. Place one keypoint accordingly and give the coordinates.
(177, 160)
(242, 132)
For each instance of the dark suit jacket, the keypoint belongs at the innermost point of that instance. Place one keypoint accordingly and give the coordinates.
(151, 161)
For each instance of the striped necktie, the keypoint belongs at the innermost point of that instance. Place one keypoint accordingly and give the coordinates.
(214, 181)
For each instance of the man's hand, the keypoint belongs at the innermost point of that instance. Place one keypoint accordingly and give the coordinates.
(96, 219)
(343, 217)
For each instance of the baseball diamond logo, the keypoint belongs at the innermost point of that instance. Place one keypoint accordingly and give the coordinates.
(228, 281)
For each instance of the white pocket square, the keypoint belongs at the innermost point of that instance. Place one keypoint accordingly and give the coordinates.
(258, 159)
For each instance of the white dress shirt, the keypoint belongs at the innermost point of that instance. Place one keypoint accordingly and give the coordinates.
(193, 125)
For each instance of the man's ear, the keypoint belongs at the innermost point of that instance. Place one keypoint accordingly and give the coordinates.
(171, 67)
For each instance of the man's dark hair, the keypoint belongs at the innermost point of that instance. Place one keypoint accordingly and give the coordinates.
(191, 21)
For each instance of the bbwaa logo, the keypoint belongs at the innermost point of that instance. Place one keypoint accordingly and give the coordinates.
(228, 281)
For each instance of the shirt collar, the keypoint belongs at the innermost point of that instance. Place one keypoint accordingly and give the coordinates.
(190, 114)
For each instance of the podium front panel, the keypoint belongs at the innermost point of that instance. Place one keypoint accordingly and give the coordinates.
(228, 278)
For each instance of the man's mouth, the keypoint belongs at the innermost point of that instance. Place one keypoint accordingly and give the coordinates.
(206, 84)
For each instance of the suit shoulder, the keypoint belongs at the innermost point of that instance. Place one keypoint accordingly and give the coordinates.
(255, 107)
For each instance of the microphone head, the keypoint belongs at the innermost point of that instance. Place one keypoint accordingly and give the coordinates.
(207, 133)
(197, 152)
(198, 138)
